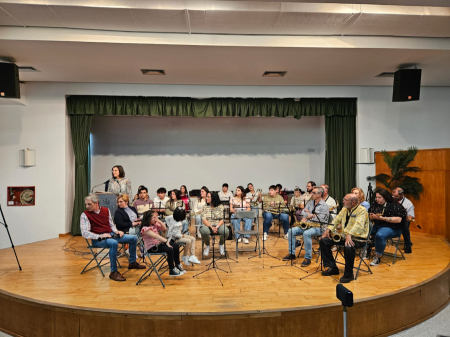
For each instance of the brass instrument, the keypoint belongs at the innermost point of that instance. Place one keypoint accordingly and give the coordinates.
(306, 224)
(336, 236)
(332, 208)
(255, 196)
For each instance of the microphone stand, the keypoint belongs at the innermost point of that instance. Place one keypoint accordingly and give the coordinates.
(264, 249)
(9, 235)
(92, 189)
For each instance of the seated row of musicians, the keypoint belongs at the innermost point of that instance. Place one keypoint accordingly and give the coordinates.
(317, 213)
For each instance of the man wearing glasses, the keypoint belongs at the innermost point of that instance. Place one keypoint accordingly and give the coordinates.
(316, 211)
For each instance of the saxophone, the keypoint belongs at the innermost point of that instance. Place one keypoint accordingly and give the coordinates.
(306, 224)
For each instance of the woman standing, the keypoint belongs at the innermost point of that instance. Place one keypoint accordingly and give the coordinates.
(155, 243)
(174, 203)
(387, 217)
(201, 202)
(184, 194)
(212, 218)
(118, 184)
(237, 204)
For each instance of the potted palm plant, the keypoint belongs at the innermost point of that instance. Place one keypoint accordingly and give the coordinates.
(398, 164)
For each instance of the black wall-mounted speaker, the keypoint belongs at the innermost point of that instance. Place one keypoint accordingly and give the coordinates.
(9, 80)
(406, 85)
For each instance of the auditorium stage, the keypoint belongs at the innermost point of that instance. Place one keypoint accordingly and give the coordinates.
(50, 297)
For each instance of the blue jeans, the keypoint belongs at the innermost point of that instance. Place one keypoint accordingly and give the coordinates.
(381, 235)
(113, 243)
(237, 225)
(198, 220)
(185, 226)
(307, 239)
(268, 217)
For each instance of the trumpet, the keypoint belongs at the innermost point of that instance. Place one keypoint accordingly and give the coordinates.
(306, 224)
(255, 197)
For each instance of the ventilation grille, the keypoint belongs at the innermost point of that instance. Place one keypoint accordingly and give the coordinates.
(152, 72)
(385, 74)
(29, 70)
(274, 73)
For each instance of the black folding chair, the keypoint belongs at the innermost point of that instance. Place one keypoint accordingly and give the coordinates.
(249, 215)
(95, 256)
(156, 262)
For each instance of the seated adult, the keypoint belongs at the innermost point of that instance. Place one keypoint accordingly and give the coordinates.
(126, 217)
(225, 195)
(96, 224)
(332, 205)
(274, 208)
(237, 204)
(354, 220)
(361, 197)
(143, 203)
(198, 207)
(174, 224)
(118, 184)
(184, 194)
(159, 202)
(387, 217)
(155, 243)
(305, 198)
(174, 203)
(282, 193)
(212, 218)
(254, 198)
(317, 212)
(295, 204)
(399, 197)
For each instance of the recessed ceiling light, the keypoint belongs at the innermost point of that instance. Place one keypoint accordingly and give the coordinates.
(28, 69)
(385, 74)
(152, 72)
(274, 73)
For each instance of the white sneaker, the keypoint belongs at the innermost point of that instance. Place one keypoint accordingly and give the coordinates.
(246, 241)
(199, 235)
(264, 236)
(206, 251)
(286, 236)
(239, 240)
(193, 259)
(185, 260)
(222, 249)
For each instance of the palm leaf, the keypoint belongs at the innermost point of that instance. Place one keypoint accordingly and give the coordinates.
(387, 158)
(410, 169)
(412, 186)
(381, 178)
(396, 162)
(409, 156)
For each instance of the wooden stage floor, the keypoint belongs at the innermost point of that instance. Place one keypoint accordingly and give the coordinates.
(51, 277)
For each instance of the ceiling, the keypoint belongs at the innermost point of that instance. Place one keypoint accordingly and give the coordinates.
(226, 42)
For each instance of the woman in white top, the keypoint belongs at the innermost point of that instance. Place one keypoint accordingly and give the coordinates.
(201, 201)
(239, 203)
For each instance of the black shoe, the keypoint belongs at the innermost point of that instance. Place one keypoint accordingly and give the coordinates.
(174, 272)
(331, 271)
(180, 268)
(306, 262)
(297, 243)
(289, 257)
(407, 249)
(346, 279)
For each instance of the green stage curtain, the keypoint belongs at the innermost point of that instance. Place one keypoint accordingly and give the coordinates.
(80, 126)
(340, 155)
(340, 125)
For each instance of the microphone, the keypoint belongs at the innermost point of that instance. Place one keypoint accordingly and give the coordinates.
(92, 189)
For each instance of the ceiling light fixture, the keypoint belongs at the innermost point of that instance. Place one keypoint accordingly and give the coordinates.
(385, 74)
(28, 69)
(274, 73)
(156, 72)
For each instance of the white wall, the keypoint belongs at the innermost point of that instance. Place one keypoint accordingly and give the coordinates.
(173, 151)
(43, 125)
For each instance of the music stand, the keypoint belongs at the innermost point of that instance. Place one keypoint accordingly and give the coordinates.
(213, 264)
(9, 235)
(264, 249)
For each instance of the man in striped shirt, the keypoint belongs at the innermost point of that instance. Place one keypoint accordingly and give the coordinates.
(355, 223)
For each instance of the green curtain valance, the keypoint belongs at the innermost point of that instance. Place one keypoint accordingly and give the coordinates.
(209, 107)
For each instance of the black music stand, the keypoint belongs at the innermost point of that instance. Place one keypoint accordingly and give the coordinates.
(264, 249)
(9, 235)
(213, 264)
(226, 256)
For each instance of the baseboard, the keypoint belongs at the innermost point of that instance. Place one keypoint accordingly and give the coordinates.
(64, 235)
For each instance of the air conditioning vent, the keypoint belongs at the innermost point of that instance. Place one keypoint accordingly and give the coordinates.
(274, 73)
(152, 72)
(385, 74)
(27, 69)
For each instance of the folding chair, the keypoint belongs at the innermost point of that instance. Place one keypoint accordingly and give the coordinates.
(96, 255)
(315, 237)
(360, 253)
(249, 215)
(156, 266)
(395, 243)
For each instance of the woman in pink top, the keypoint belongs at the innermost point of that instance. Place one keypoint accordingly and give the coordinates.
(155, 243)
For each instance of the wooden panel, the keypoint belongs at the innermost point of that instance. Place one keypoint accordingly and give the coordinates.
(431, 211)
